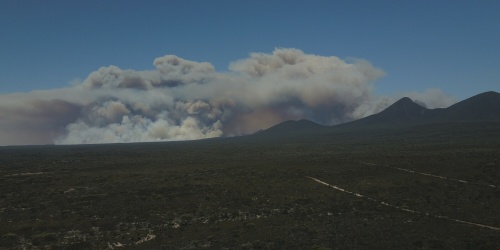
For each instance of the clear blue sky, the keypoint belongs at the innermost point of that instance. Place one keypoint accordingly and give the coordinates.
(450, 45)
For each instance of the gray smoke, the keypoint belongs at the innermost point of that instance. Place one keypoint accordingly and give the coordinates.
(182, 100)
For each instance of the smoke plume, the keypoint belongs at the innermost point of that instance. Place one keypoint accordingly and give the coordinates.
(181, 100)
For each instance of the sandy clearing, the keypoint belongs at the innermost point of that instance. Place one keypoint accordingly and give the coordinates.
(26, 174)
(404, 209)
(146, 238)
(431, 175)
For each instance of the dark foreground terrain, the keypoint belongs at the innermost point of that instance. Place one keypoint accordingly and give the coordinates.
(254, 192)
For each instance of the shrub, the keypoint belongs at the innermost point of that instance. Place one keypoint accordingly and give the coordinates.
(9, 239)
(43, 238)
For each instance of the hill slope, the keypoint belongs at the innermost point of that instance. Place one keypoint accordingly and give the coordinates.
(403, 118)
(291, 128)
(402, 111)
(482, 107)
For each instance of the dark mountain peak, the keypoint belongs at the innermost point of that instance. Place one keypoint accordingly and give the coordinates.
(490, 97)
(296, 125)
(484, 106)
(402, 113)
(488, 94)
(291, 127)
(404, 100)
(403, 109)
(481, 107)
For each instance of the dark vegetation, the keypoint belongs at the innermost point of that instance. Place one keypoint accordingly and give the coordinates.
(252, 192)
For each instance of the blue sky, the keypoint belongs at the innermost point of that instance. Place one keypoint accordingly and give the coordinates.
(449, 45)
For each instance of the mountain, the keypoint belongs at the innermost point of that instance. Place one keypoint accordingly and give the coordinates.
(402, 111)
(476, 118)
(292, 128)
(482, 107)
(403, 114)
(296, 125)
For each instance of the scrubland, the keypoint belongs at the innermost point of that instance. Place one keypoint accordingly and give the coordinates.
(254, 193)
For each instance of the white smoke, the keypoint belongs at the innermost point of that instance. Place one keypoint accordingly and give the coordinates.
(182, 99)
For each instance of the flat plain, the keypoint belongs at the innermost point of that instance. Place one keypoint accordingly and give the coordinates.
(427, 187)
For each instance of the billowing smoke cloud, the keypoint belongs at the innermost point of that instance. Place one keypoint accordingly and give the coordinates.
(182, 99)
